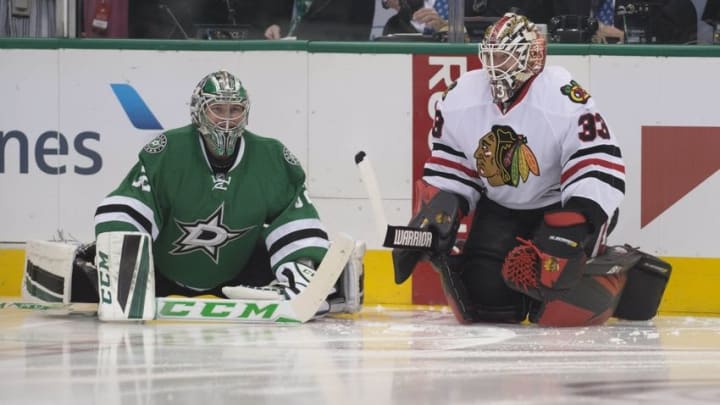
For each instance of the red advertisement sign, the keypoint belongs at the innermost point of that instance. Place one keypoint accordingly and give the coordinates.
(432, 74)
(675, 160)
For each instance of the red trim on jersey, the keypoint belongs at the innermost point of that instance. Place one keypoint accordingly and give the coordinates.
(520, 96)
(587, 162)
(452, 165)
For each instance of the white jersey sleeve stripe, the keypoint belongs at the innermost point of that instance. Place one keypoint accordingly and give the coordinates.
(125, 207)
(293, 226)
(291, 248)
(121, 217)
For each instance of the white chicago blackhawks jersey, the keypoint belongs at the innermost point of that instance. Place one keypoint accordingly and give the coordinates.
(550, 145)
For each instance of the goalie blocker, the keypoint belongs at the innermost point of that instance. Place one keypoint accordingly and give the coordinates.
(58, 273)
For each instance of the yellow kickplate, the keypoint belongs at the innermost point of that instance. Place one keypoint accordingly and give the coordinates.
(380, 287)
(693, 286)
(11, 269)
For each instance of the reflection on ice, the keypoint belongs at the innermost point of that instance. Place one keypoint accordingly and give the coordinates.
(381, 356)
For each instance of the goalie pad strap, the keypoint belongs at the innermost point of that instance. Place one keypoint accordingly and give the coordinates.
(126, 281)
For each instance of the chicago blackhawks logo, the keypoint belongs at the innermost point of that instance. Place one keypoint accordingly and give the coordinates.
(156, 145)
(207, 235)
(575, 93)
(551, 264)
(503, 157)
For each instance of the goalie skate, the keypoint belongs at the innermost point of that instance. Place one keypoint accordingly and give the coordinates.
(350, 288)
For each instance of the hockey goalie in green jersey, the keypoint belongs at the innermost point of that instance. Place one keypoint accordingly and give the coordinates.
(221, 211)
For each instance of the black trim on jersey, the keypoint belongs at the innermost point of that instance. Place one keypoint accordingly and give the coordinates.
(594, 214)
(444, 148)
(611, 180)
(611, 150)
(435, 173)
(295, 236)
(125, 209)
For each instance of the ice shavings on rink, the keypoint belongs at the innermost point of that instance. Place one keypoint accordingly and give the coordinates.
(384, 355)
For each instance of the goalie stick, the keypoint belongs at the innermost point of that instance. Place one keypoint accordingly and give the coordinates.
(50, 307)
(367, 175)
(298, 310)
(395, 237)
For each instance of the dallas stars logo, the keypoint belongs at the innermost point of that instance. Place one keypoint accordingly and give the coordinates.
(207, 236)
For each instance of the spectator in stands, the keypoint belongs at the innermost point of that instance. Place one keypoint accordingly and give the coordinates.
(416, 16)
(323, 20)
(430, 16)
(663, 22)
(675, 22)
(604, 13)
(539, 11)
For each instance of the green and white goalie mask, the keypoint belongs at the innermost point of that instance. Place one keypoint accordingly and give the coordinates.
(219, 109)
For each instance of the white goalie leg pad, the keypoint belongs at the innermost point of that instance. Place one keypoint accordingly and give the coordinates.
(126, 276)
(48, 271)
(351, 285)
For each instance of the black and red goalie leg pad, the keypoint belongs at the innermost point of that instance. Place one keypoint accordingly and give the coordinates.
(591, 302)
(456, 294)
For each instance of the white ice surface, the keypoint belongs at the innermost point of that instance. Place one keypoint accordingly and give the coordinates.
(381, 356)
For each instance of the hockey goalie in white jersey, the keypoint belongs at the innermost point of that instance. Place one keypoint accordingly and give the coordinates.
(524, 148)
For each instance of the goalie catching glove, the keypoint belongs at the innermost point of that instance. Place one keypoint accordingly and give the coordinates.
(553, 262)
(291, 279)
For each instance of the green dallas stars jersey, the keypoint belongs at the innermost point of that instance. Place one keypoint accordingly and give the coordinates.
(205, 226)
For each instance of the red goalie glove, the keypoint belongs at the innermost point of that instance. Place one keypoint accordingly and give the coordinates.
(553, 261)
